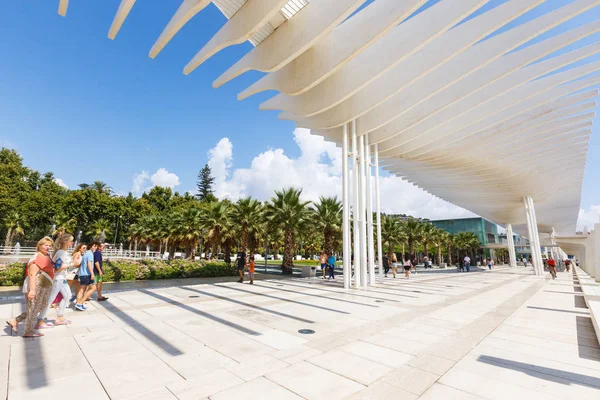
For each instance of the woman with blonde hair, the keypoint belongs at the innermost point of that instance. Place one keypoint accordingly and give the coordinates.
(73, 277)
(63, 265)
(37, 287)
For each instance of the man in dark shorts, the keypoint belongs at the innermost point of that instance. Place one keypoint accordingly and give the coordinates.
(240, 265)
(99, 271)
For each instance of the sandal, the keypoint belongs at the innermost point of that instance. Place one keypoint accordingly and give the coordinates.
(14, 327)
(36, 334)
(63, 322)
(45, 325)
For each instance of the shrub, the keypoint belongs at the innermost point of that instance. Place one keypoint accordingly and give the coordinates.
(129, 270)
(12, 274)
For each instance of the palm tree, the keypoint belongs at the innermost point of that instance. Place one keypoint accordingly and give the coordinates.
(391, 233)
(214, 220)
(413, 231)
(440, 238)
(101, 187)
(292, 215)
(83, 186)
(14, 224)
(247, 219)
(467, 241)
(189, 230)
(99, 228)
(428, 232)
(328, 221)
(64, 224)
(449, 241)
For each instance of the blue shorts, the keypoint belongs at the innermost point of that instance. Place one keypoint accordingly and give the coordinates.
(86, 280)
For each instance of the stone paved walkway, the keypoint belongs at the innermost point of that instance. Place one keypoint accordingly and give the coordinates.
(493, 335)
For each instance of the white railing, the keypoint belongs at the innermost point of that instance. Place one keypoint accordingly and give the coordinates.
(107, 253)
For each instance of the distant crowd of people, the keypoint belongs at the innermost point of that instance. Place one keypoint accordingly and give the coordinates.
(53, 275)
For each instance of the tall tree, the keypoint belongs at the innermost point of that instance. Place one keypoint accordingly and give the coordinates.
(14, 223)
(292, 215)
(328, 220)
(205, 184)
(247, 220)
(413, 229)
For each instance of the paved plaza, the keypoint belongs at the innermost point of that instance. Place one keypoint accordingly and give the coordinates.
(504, 334)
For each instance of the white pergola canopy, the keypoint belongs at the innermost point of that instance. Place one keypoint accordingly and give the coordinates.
(466, 114)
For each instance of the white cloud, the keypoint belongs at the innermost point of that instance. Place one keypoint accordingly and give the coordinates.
(164, 178)
(60, 182)
(143, 182)
(588, 218)
(318, 172)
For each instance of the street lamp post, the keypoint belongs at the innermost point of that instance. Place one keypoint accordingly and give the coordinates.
(117, 230)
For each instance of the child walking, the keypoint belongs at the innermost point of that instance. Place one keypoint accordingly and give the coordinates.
(251, 270)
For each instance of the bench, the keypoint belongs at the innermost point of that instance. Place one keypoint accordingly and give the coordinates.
(591, 293)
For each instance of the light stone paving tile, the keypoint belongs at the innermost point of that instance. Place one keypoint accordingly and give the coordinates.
(537, 364)
(351, 366)
(438, 392)
(97, 346)
(395, 343)
(86, 384)
(431, 363)
(205, 385)
(122, 376)
(550, 329)
(380, 390)
(555, 355)
(4, 364)
(202, 361)
(438, 323)
(156, 394)
(546, 343)
(452, 349)
(488, 387)
(259, 388)
(259, 366)
(543, 383)
(296, 354)
(137, 298)
(313, 382)
(411, 379)
(279, 340)
(411, 333)
(378, 354)
(538, 334)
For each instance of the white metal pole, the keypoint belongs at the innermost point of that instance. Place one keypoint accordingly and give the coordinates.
(370, 238)
(512, 257)
(530, 236)
(537, 235)
(378, 207)
(346, 209)
(363, 211)
(355, 206)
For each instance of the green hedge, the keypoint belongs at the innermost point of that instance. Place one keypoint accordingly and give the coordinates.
(128, 270)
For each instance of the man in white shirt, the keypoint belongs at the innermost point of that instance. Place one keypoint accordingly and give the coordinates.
(467, 261)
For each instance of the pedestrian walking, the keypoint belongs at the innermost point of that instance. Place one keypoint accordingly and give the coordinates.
(331, 264)
(37, 287)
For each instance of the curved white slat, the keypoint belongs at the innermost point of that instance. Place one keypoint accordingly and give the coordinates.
(464, 64)
(186, 11)
(408, 38)
(442, 78)
(519, 108)
(62, 7)
(252, 16)
(552, 118)
(293, 37)
(486, 84)
(332, 52)
(122, 13)
(541, 89)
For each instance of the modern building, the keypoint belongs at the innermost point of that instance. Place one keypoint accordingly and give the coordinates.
(486, 230)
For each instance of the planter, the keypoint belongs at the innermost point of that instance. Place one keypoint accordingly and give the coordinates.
(309, 271)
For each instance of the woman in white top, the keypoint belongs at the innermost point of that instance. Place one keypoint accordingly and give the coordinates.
(63, 264)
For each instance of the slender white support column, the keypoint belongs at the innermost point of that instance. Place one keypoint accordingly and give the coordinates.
(531, 236)
(355, 206)
(596, 246)
(370, 238)
(511, 246)
(378, 207)
(537, 234)
(346, 251)
(363, 212)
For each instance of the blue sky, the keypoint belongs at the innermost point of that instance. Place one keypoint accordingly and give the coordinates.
(89, 108)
